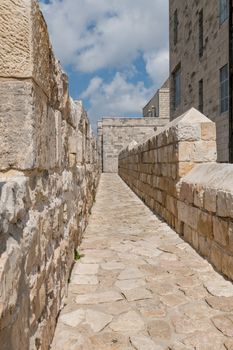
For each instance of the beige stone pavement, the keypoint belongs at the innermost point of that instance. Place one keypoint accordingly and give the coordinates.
(140, 286)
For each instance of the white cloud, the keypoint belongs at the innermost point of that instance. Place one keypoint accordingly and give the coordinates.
(117, 98)
(95, 34)
(157, 64)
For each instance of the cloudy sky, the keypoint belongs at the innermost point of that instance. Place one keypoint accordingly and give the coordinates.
(114, 51)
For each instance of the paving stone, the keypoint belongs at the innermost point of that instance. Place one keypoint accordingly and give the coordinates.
(152, 309)
(130, 284)
(179, 346)
(84, 279)
(74, 318)
(113, 265)
(205, 341)
(221, 303)
(138, 294)
(97, 320)
(96, 298)
(153, 290)
(109, 340)
(185, 325)
(220, 288)
(172, 300)
(229, 344)
(160, 329)
(128, 322)
(144, 343)
(130, 273)
(86, 269)
(224, 323)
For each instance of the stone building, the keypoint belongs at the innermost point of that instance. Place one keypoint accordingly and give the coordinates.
(158, 106)
(116, 133)
(200, 64)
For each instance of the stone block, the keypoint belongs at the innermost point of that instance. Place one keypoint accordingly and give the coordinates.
(186, 192)
(199, 196)
(225, 204)
(184, 168)
(227, 265)
(24, 43)
(59, 148)
(216, 255)
(208, 131)
(28, 131)
(204, 246)
(187, 233)
(210, 195)
(220, 230)
(205, 224)
(187, 214)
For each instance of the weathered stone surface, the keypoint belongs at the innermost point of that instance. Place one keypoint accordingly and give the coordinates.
(74, 318)
(159, 329)
(224, 323)
(45, 193)
(130, 273)
(97, 320)
(137, 294)
(128, 322)
(144, 343)
(221, 303)
(113, 266)
(95, 298)
(86, 269)
(82, 279)
(172, 310)
(125, 285)
(219, 288)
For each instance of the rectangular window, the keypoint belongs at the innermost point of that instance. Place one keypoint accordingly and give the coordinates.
(224, 89)
(201, 96)
(175, 27)
(201, 40)
(223, 10)
(177, 87)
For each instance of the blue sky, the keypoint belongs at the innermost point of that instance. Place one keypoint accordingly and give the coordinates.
(114, 51)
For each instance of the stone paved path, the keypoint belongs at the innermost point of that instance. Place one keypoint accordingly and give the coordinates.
(139, 286)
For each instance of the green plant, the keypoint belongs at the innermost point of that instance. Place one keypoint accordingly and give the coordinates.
(77, 255)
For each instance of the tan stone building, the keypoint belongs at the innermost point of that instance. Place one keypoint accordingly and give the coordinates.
(200, 64)
(158, 106)
(116, 133)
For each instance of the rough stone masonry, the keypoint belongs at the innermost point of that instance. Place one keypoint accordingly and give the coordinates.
(49, 173)
(176, 174)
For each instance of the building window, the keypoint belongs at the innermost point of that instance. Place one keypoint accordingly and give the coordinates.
(223, 10)
(200, 107)
(224, 89)
(177, 87)
(201, 40)
(176, 23)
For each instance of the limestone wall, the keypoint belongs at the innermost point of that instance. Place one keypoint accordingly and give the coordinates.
(117, 133)
(175, 173)
(49, 173)
(159, 104)
(185, 53)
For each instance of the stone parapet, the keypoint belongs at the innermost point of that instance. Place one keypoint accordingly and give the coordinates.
(49, 172)
(175, 173)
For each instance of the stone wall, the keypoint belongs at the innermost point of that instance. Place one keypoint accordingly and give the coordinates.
(207, 67)
(49, 173)
(175, 173)
(117, 133)
(159, 105)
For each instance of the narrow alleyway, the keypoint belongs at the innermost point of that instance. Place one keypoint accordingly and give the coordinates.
(140, 286)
